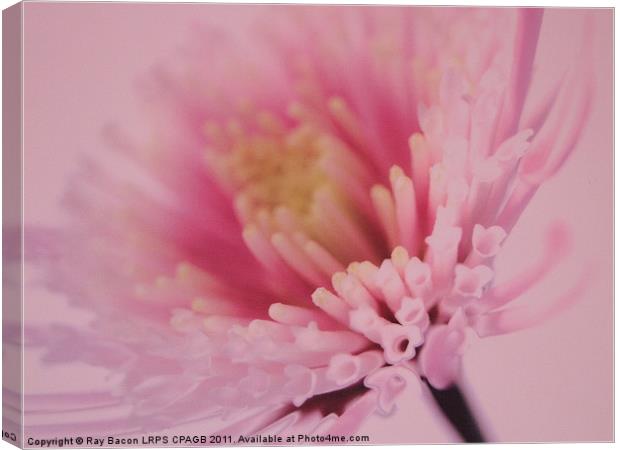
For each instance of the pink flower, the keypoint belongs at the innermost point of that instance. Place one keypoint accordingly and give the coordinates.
(313, 224)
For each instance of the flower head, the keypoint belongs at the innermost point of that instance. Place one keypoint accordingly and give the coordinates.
(317, 218)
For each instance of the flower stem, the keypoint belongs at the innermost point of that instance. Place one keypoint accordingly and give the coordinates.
(454, 406)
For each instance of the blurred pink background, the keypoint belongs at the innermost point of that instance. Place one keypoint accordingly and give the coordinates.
(550, 383)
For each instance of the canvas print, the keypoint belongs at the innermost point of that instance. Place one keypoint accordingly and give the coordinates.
(234, 225)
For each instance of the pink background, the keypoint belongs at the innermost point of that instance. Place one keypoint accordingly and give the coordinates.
(550, 383)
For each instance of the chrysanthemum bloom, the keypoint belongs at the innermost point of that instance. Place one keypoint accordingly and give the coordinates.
(313, 225)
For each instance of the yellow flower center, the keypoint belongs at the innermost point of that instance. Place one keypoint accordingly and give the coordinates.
(296, 189)
(270, 171)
